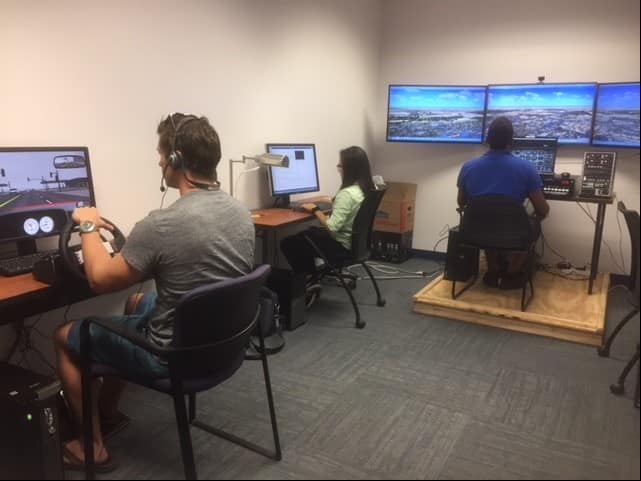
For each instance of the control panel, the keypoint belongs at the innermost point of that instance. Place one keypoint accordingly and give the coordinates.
(558, 186)
(598, 174)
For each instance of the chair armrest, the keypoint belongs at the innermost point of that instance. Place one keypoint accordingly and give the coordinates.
(132, 336)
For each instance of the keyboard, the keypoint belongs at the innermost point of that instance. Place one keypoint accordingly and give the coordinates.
(14, 266)
(322, 205)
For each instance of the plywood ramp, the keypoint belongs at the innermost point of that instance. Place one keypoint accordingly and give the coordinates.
(561, 308)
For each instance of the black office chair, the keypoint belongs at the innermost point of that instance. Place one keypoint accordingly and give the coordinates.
(212, 328)
(359, 253)
(632, 220)
(498, 222)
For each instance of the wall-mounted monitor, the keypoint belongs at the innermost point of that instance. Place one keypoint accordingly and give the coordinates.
(616, 119)
(564, 111)
(435, 113)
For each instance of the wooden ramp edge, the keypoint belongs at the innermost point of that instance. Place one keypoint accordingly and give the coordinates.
(561, 308)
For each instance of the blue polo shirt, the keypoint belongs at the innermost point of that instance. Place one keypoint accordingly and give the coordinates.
(499, 172)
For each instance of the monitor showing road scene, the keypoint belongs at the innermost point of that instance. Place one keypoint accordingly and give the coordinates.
(435, 113)
(616, 121)
(563, 111)
(40, 178)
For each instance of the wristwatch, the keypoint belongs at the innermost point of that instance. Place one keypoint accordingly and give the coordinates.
(87, 227)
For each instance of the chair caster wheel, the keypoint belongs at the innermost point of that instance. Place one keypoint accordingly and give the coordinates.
(617, 389)
(381, 303)
(360, 325)
(603, 351)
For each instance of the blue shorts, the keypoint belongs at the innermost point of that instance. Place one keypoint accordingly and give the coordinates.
(111, 349)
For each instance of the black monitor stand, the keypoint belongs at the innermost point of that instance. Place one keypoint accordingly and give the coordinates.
(25, 247)
(282, 201)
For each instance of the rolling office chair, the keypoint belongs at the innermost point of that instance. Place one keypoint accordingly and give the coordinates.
(498, 222)
(213, 324)
(359, 253)
(632, 221)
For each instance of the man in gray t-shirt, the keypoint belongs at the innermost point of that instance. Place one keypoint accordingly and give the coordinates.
(205, 236)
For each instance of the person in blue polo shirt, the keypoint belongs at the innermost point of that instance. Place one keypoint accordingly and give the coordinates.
(499, 172)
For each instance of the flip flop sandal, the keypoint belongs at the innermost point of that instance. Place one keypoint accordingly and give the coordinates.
(71, 462)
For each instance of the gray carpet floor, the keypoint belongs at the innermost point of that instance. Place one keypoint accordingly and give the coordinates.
(408, 397)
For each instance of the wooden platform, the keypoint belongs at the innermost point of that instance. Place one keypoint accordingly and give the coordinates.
(561, 308)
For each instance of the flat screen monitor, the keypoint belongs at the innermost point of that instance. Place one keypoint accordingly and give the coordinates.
(616, 120)
(435, 113)
(39, 187)
(539, 151)
(302, 174)
(563, 111)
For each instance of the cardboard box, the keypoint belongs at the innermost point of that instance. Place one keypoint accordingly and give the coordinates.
(396, 211)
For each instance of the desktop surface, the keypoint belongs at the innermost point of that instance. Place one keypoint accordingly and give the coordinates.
(276, 217)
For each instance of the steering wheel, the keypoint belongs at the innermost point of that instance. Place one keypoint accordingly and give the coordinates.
(68, 252)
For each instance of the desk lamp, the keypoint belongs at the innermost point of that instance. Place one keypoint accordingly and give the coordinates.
(261, 159)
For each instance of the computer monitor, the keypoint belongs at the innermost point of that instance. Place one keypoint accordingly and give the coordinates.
(540, 151)
(436, 113)
(616, 120)
(39, 188)
(300, 177)
(563, 110)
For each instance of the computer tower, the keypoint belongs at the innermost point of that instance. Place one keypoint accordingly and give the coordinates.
(29, 430)
(462, 262)
(392, 246)
(290, 288)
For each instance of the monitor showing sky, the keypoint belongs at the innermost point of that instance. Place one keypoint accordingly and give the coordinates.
(616, 121)
(435, 113)
(563, 111)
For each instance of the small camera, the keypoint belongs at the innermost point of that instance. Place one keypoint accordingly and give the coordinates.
(541, 78)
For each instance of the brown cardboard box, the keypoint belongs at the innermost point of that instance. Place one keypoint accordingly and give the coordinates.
(396, 211)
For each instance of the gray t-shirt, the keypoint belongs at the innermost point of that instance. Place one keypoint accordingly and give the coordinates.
(203, 237)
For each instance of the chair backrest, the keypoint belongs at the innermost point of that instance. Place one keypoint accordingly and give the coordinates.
(496, 221)
(213, 324)
(632, 220)
(363, 224)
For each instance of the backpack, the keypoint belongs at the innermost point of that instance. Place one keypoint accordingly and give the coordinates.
(270, 322)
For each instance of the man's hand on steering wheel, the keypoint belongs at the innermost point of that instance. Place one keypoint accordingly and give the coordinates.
(84, 214)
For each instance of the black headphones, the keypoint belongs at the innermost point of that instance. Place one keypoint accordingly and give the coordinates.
(175, 158)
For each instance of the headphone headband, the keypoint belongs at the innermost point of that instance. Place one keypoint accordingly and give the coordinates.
(175, 159)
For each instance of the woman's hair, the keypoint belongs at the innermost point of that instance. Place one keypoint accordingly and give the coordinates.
(356, 169)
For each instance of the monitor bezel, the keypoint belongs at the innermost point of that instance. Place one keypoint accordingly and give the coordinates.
(540, 85)
(453, 141)
(596, 106)
(92, 195)
(270, 145)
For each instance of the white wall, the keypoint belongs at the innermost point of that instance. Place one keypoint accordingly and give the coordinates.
(506, 41)
(103, 74)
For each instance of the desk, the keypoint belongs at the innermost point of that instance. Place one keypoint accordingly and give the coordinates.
(23, 296)
(269, 221)
(598, 228)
